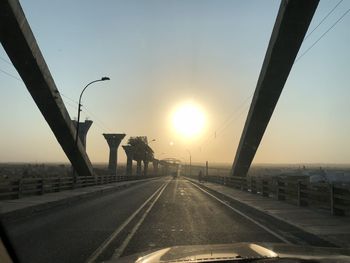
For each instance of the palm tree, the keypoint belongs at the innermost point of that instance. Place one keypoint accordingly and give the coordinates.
(143, 152)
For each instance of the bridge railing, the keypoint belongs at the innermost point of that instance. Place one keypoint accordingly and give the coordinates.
(15, 189)
(332, 197)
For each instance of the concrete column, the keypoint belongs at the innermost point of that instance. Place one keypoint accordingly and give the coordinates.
(155, 163)
(145, 167)
(138, 168)
(83, 130)
(129, 150)
(113, 140)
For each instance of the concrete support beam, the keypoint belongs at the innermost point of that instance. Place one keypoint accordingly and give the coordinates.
(83, 130)
(293, 19)
(113, 140)
(129, 151)
(155, 163)
(145, 167)
(138, 167)
(20, 45)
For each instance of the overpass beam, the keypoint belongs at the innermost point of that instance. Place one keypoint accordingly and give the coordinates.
(292, 22)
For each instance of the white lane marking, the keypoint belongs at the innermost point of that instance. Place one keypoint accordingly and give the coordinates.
(105, 244)
(119, 251)
(245, 216)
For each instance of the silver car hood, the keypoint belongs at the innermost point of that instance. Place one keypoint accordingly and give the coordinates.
(238, 251)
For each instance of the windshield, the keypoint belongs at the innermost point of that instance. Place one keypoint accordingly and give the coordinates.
(135, 126)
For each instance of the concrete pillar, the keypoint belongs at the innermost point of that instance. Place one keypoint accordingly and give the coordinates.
(145, 167)
(129, 151)
(83, 130)
(113, 140)
(155, 163)
(138, 168)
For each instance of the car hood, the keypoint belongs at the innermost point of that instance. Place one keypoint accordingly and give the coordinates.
(238, 251)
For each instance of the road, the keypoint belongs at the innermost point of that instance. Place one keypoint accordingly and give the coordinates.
(149, 215)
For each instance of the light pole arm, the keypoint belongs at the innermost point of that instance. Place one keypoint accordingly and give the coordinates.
(81, 94)
(79, 106)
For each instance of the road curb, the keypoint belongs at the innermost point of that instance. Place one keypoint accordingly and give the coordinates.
(40, 208)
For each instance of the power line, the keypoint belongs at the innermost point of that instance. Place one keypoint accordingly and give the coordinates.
(225, 124)
(97, 120)
(99, 123)
(237, 116)
(229, 120)
(330, 12)
(71, 105)
(234, 119)
(336, 22)
(72, 100)
(10, 75)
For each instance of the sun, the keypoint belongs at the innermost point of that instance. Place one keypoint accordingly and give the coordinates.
(188, 120)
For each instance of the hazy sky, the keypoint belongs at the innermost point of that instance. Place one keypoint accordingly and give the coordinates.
(159, 54)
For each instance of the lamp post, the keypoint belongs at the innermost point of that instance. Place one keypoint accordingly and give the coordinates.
(190, 160)
(79, 107)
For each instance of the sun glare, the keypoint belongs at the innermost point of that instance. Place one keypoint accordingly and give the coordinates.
(188, 120)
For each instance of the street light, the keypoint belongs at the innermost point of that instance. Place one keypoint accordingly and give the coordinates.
(79, 110)
(190, 160)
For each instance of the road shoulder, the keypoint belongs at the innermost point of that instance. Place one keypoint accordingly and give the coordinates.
(333, 229)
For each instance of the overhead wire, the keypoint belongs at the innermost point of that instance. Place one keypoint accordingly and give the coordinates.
(323, 19)
(99, 122)
(225, 124)
(67, 100)
(230, 119)
(325, 33)
(9, 74)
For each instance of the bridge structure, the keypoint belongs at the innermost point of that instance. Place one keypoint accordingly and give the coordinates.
(124, 219)
(289, 30)
(291, 25)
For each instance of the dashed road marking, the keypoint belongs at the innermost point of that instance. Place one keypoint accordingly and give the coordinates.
(106, 243)
(119, 251)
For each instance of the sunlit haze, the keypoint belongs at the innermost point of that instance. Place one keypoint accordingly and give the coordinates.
(161, 55)
(188, 120)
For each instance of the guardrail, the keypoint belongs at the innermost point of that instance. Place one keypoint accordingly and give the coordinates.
(332, 197)
(15, 189)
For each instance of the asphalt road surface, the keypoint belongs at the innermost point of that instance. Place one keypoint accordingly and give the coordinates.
(147, 216)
